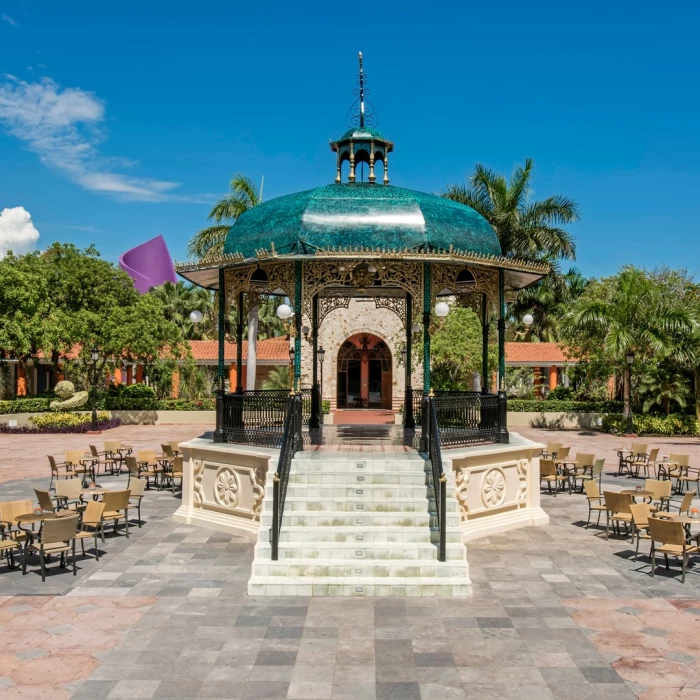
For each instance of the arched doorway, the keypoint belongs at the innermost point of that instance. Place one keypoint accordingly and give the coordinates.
(364, 373)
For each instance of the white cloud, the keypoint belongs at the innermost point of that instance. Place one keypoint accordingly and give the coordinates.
(62, 126)
(10, 21)
(17, 232)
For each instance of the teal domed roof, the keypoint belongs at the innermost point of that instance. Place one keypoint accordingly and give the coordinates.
(362, 133)
(360, 214)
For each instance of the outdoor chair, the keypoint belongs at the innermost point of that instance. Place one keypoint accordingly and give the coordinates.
(80, 464)
(92, 525)
(637, 457)
(562, 455)
(175, 473)
(641, 512)
(136, 486)
(684, 507)
(9, 510)
(149, 466)
(112, 457)
(550, 475)
(100, 458)
(175, 446)
(550, 452)
(58, 470)
(686, 475)
(69, 495)
(648, 464)
(662, 493)
(596, 473)
(116, 507)
(617, 507)
(166, 450)
(670, 468)
(48, 506)
(594, 498)
(578, 467)
(8, 545)
(668, 537)
(57, 537)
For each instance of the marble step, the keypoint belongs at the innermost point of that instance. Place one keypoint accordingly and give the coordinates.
(358, 586)
(359, 550)
(356, 518)
(394, 478)
(375, 534)
(378, 568)
(357, 504)
(358, 467)
(359, 491)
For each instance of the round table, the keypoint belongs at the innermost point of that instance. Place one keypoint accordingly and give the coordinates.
(642, 493)
(31, 519)
(99, 491)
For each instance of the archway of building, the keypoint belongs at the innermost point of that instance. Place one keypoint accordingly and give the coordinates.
(364, 373)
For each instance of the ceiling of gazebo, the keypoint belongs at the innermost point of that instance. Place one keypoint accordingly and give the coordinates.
(360, 214)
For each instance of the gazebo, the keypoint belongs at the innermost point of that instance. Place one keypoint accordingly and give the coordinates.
(406, 250)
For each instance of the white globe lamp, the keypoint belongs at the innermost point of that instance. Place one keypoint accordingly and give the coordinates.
(442, 308)
(284, 312)
(196, 316)
(528, 320)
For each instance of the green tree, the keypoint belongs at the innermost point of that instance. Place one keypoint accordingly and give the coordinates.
(630, 313)
(279, 378)
(663, 385)
(524, 228)
(179, 301)
(456, 350)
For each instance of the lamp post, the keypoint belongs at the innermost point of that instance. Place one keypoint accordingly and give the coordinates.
(321, 357)
(291, 357)
(95, 356)
(628, 390)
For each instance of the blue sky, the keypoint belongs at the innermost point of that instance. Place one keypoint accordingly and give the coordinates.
(122, 121)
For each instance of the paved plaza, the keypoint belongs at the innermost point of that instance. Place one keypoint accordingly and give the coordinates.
(557, 612)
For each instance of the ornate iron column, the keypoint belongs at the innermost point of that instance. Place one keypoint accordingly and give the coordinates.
(219, 431)
(502, 404)
(315, 420)
(485, 378)
(297, 324)
(425, 412)
(239, 345)
(409, 420)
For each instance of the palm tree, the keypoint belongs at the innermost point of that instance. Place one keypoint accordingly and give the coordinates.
(179, 301)
(524, 228)
(547, 302)
(630, 315)
(279, 378)
(210, 242)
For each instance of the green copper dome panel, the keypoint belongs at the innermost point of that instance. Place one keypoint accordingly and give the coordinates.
(361, 133)
(355, 214)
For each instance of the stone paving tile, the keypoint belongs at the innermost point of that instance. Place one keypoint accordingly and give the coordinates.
(556, 612)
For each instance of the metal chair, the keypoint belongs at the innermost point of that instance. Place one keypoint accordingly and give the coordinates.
(57, 537)
(668, 537)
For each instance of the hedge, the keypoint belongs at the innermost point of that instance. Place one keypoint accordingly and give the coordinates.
(675, 424)
(63, 423)
(560, 406)
(29, 405)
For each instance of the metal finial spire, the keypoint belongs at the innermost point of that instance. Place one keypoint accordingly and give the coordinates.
(361, 113)
(362, 92)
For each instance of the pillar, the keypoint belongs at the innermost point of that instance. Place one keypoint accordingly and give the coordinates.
(372, 176)
(502, 404)
(239, 344)
(537, 381)
(409, 420)
(139, 374)
(175, 385)
(485, 378)
(315, 419)
(117, 379)
(351, 176)
(232, 376)
(129, 375)
(425, 412)
(219, 435)
(553, 378)
(297, 323)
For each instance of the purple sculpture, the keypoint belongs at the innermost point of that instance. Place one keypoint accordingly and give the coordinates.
(149, 264)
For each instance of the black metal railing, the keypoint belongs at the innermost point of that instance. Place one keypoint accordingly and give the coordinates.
(417, 406)
(306, 401)
(468, 418)
(291, 443)
(254, 417)
(438, 477)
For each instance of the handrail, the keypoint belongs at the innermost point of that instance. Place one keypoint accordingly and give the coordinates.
(439, 479)
(291, 442)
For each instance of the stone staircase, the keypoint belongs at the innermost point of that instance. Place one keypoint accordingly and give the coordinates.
(359, 524)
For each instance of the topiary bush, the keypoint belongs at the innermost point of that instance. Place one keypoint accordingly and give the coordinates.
(547, 406)
(675, 424)
(137, 391)
(64, 390)
(28, 405)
